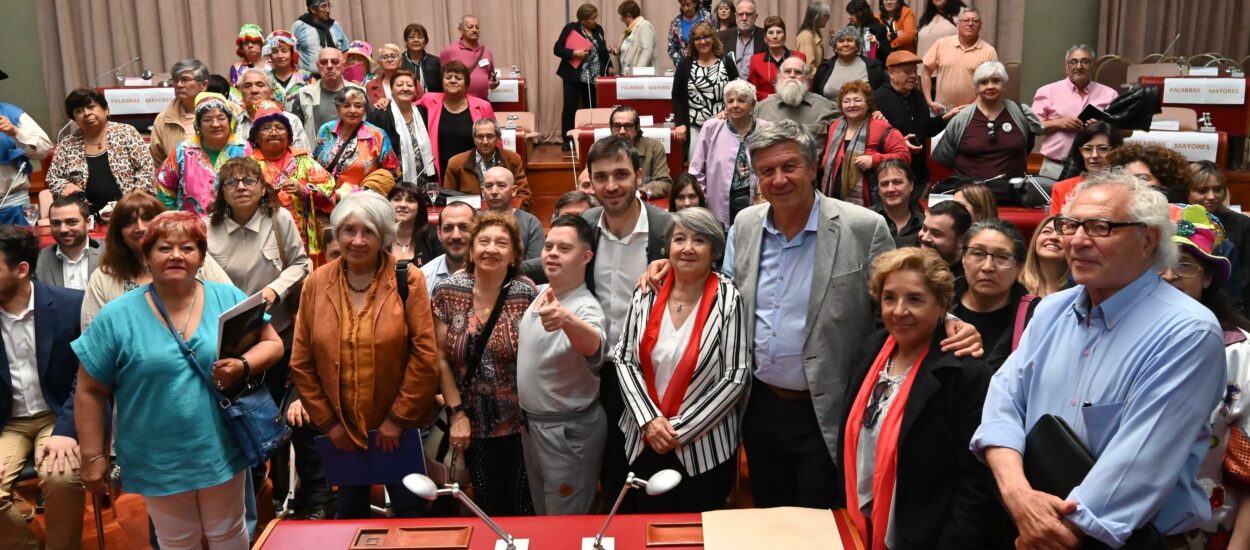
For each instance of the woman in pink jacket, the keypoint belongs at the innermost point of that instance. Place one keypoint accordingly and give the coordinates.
(452, 114)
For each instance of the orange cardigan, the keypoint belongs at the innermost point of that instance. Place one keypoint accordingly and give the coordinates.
(906, 28)
(406, 360)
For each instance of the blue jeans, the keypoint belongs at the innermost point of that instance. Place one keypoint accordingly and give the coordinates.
(354, 502)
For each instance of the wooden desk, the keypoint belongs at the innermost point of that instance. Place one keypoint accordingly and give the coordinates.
(502, 98)
(586, 138)
(544, 533)
(606, 96)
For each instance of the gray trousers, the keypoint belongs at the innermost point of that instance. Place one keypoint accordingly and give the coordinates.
(563, 453)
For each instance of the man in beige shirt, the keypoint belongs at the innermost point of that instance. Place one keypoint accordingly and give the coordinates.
(953, 59)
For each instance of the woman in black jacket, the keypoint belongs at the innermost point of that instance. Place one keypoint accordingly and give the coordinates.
(910, 480)
(427, 68)
(863, 18)
(846, 61)
(699, 83)
(581, 66)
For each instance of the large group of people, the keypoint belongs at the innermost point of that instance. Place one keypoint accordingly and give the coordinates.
(796, 302)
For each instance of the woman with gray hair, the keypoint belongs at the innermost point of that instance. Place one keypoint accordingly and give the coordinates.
(994, 135)
(177, 122)
(846, 64)
(351, 148)
(720, 161)
(683, 361)
(363, 357)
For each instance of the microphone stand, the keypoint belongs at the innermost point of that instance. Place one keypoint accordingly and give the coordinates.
(116, 71)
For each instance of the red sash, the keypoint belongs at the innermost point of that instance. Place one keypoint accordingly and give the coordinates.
(677, 385)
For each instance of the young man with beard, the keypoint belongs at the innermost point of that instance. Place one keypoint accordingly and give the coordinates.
(454, 223)
(792, 101)
(75, 257)
(561, 347)
(944, 226)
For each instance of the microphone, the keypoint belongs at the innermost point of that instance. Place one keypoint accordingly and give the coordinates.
(995, 178)
(425, 488)
(662, 482)
(116, 71)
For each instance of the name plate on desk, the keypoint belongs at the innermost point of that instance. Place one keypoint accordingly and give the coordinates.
(138, 101)
(509, 139)
(646, 87)
(1204, 91)
(509, 91)
(1194, 145)
(662, 133)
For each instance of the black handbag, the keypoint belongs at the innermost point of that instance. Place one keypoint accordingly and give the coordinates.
(253, 418)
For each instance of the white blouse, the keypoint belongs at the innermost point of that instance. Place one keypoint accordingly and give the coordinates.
(669, 348)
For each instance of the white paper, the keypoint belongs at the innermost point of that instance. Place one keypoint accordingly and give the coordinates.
(1194, 145)
(1204, 91)
(662, 133)
(1204, 71)
(239, 309)
(643, 71)
(1165, 124)
(135, 81)
(472, 200)
(645, 87)
(646, 120)
(138, 101)
(509, 91)
(509, 139)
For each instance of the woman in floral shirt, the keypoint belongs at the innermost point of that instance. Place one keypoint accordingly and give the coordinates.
(187, 179)
(103, 159)
(349, 148)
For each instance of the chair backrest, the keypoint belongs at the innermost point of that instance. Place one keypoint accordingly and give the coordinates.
(1245, 64)
(1111, 71)
(1203, 59)
(1012, 89)
(1163, 69)
(1187, 117)
(596, 116)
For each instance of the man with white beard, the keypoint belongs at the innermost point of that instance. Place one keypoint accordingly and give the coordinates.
(793, 101)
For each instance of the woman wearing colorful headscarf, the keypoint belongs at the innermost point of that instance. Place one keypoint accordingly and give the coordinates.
(186, 180)
(304, 187)
(349, 147)
(283, 59)
(249, 47)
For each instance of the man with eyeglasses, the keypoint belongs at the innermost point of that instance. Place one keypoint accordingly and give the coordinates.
(467, 170)
(176, 123)
(1059, 103)
(746, 39)
(257, 85)
(1130, 363)
(475, 55)
(953, 59)
(657, 179)
(314, 105)
(316, 30)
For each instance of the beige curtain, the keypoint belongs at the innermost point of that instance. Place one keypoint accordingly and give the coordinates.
(1137, 28)
(83, 38)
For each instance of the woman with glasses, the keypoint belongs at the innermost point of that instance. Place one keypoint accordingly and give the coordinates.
(1200, 273)
(1090, 149)
(720, 161)
(350, 148)
(910, 480)
(765, 67)
(583, 58)
(424, 65)
(176, 123)
(856, 144)
(390, 59)
(988, 297)
(187, 179)
(699, 83)
(994, 135)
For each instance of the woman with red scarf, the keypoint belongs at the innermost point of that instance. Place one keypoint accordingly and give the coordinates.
(683, 362)
(910, 480)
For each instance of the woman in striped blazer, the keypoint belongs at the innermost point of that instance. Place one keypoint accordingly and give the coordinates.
(683, 359)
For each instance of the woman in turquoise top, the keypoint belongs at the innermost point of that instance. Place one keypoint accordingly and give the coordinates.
(172, 440)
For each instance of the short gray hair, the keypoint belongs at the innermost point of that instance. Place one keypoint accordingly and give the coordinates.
(969, 9)
(702, 222)
(847, 32)
(1146, 205)
(781, 131)
(342, 96)
(988, 70)
(198, 69)
(370, 209)
(491, 121)
(269, 80)
(1081, 47)
(742, 89)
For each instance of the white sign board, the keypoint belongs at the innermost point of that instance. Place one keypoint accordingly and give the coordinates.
(645, 87)
(138, 101)
(509, 91)
(1195, 146)
(1204, 91)
(508, 137)
(662, 133)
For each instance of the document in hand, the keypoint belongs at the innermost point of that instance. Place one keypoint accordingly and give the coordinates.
(372, 466)
(575, 42)
(239, 328)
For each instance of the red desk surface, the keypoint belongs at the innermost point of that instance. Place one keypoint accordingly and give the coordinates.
(1025, 219)
(544, 533)
(1234, 119)
(605, 96)
(586, 138)
(518, 105)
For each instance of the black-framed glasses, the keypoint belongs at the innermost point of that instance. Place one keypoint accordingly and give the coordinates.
(245, 182)
(1096, 227)
(881, 394)
(979, 255)
(618, 126)
(1081, 61)
(700, 38)
(992, 133)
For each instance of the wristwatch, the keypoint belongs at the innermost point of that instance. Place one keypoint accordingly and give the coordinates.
(456, 409)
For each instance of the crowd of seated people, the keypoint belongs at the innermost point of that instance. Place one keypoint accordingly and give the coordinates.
(790, 297)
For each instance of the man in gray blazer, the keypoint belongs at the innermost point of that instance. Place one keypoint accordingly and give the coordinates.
(75, 257)
(801, 262)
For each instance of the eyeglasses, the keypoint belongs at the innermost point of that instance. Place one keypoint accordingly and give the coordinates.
(272, 129)
(618, 126)
(700, 38)
(1091, 149)
(1081, 61)
(235, 182)
(881, 394)
(993, 134)
(970, 21)
(1187, 270)
(186, 80)
(1094, 228)
(330, 62)
(389, 57)
(1001, 260)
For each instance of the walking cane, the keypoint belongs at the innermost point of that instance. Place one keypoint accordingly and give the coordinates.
(99, 519)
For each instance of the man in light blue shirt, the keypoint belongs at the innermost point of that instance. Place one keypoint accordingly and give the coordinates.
(454, 223)
(1134, 366)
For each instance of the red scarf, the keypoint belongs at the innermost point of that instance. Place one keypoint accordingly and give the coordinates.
(677, 385)
(886, 459)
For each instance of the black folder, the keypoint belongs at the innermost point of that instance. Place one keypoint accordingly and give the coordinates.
(1056, 461)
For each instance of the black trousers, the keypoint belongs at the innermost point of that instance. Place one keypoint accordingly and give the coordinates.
(576, 96)
(789, 462)
(311, 489)
(615, 465)
(497, 471)
(695, 494)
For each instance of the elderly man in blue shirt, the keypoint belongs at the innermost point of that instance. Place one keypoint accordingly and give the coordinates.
(1131, 364)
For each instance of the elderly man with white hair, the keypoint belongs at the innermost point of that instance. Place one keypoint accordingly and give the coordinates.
(952, 59)
(993, 135)
(1131, 364)
(256, 85)
(792, 101)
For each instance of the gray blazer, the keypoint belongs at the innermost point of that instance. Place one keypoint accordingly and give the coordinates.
(840, 315)
(48, 269)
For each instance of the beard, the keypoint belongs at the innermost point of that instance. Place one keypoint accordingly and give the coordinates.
(745, 25)
(791, 92)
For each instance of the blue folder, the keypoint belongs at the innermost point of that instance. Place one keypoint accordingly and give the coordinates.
(372, 466)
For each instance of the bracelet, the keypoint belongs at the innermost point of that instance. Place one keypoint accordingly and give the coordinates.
(247, 368)
(95, 458)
